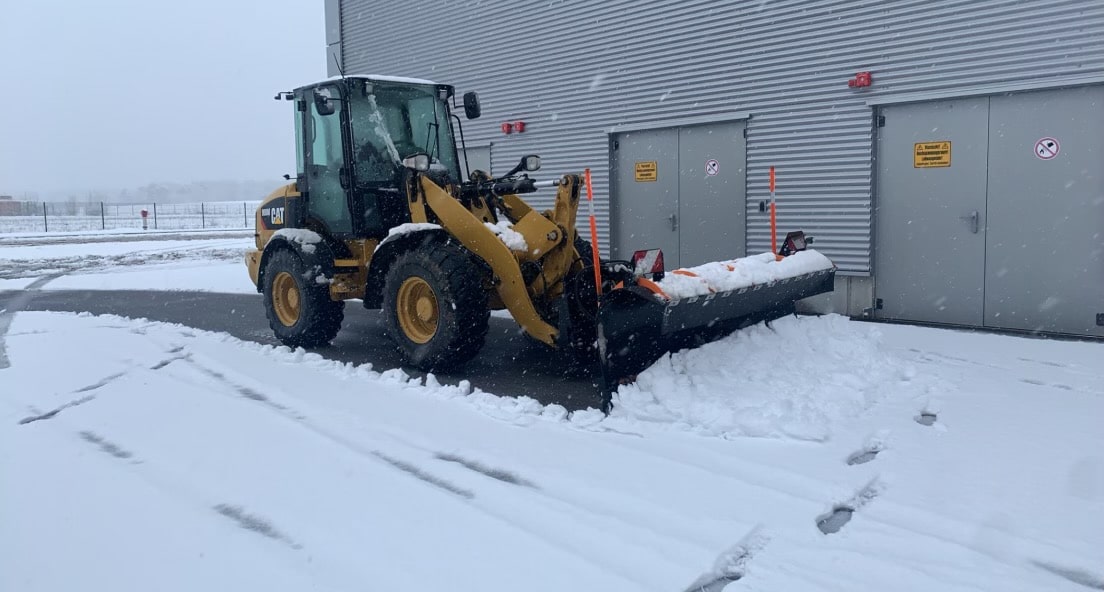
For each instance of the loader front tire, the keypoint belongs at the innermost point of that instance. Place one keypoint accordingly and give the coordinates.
(299, 309)
(436, 307)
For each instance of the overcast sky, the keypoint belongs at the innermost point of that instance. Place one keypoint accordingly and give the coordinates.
(119, 93)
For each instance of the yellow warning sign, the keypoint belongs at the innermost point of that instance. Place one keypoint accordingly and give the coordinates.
(646, 170)
(931, 154)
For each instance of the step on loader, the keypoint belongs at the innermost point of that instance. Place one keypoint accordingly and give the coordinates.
(379, 211)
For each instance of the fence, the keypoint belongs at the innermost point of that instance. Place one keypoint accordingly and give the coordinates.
(69, 216)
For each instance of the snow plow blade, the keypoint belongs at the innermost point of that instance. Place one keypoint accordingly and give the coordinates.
(637, 326)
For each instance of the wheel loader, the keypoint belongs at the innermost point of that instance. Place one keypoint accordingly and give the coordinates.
(380, 211)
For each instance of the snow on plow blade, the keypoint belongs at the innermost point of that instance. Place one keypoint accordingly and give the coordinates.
(637, 326)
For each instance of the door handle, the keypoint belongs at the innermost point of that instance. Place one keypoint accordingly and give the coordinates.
(673, 219)
(972, 218)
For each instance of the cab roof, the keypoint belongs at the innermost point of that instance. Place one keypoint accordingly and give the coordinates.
(376, 78)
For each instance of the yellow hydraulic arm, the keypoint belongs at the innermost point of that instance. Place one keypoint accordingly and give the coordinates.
(549, 238)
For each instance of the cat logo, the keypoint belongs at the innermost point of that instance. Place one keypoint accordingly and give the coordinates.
(276, 215)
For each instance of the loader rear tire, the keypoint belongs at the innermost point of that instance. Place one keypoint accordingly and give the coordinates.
(436, 307)
(299, 309)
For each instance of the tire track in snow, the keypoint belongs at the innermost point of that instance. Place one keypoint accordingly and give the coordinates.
(1073, 574)
(16, 305)
(424, 476)
(81, 401)
(492, 472)
(376, 451)
(255, 523)
(56, 410)
(303, 421)
(106, 445)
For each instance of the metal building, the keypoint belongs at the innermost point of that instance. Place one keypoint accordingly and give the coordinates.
(948, 155)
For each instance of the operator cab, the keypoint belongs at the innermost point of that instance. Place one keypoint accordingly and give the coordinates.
(352, 136)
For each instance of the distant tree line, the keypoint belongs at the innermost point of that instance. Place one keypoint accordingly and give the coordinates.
(198, 191)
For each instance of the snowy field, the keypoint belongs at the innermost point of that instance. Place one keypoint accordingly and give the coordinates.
(817, 454)
(65, 217)
(128, 261)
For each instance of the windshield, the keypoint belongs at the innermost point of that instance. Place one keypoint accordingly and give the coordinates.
(393, 121)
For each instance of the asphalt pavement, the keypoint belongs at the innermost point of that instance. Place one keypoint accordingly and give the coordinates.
(510, 364)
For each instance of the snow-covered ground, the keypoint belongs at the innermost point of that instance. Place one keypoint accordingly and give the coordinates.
(816, 454)
(181, 460)
(128, 261)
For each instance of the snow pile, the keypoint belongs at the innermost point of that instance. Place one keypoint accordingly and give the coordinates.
(721, 276)
(306, 239)
(513, 239)
(795, 379)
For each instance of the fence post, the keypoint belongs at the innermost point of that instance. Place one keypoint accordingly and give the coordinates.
(202, 216)
(245, 215)
(45, 223)
(103, 219)
(155, 215)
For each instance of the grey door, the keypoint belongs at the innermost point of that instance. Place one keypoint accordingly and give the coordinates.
(644, 207)
(929, 257)
(711, 193)
(1045, 245)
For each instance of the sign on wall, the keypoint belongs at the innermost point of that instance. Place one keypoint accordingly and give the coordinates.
(712, 167)
(1047, 148)
(931, 154)
(646, 170)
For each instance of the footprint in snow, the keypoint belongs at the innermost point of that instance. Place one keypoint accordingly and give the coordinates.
(926, 418)
(731, 565)
(862, 457)
(841, 513)
(874, 445)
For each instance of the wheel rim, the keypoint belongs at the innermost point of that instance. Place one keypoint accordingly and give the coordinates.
(285, 299)
(417, 310)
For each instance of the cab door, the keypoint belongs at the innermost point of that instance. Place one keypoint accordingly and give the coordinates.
(324, 164)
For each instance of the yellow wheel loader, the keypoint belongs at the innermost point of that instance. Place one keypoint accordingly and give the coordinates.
(380, 211)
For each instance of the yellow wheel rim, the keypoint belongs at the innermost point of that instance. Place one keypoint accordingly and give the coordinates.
(285, 298)
(416, 307)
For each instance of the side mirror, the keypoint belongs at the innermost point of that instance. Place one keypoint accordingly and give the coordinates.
(528, 163)
(418, 162)
(323, 104)
(472, 110)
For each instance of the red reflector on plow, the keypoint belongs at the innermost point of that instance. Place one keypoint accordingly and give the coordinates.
(648, 262)
(795, 241)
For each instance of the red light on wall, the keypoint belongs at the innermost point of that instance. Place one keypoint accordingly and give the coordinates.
(861, 79)
(519, 126)
(507, 128)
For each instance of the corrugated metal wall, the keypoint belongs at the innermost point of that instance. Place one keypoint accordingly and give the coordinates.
(572, 69)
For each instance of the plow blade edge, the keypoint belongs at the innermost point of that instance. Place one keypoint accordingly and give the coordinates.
(639, 326)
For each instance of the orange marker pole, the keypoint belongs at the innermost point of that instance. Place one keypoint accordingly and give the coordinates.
(774, 227)
(594, 236)
(608, 386)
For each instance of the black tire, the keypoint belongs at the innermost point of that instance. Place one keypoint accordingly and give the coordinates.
(459, 324)
(318, 318)
(581, 305)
